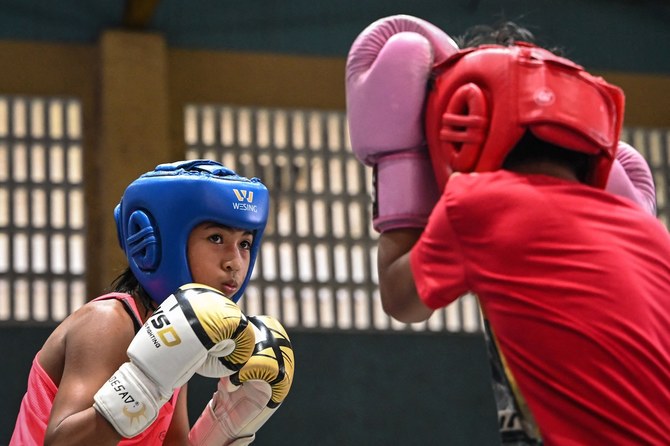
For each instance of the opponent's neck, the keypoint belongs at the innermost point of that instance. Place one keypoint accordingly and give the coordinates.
(546, 168)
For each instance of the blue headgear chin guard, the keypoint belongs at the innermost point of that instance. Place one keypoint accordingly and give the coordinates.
(159, 210)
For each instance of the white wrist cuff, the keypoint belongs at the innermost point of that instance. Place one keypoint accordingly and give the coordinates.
(129, 400)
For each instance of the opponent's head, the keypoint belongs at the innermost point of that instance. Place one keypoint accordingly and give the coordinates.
(485, 99)
(159, 210)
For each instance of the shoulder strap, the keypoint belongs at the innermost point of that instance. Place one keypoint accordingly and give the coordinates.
(128, 305)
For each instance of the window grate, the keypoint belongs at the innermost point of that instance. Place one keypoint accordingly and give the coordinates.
(42, 230)
(317, 266)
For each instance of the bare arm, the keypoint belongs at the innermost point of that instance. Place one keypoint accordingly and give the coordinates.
(398, 292)
(94, 347)
(177, 433)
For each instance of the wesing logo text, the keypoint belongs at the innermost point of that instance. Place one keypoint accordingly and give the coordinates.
(244, 200)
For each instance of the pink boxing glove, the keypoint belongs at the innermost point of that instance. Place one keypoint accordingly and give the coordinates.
(387, 73)
(631, 178)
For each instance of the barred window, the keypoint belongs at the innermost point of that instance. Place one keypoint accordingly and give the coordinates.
(42, 228)
(317, 266)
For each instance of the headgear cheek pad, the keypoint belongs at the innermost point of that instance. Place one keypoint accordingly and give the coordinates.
(159, 210)
(484, 99)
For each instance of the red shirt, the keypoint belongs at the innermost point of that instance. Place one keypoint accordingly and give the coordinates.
(31, 423)
(575, 283)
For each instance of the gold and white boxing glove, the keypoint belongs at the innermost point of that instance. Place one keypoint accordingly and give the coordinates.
(245, 400)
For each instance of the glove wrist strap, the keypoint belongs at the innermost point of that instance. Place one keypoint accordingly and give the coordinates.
(209, 431)
(129, 401)
(405, 191)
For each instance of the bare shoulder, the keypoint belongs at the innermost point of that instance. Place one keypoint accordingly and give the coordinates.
(98, 332)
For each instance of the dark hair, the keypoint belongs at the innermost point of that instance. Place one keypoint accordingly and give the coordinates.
(504, 33)
(126, 282)
(532, 149)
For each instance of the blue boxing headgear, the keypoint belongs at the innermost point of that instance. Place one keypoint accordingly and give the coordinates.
(159, 210)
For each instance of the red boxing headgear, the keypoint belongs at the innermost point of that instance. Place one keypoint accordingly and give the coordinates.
(486, 98)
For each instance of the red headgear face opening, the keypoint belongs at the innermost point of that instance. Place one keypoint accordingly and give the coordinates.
(484, 100)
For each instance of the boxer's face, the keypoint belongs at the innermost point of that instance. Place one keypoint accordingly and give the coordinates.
(219, 256)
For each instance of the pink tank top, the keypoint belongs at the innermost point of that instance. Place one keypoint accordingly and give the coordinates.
(31, 423)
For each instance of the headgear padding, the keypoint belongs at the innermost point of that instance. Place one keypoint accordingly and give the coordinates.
(159, 210)
(485, 99)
